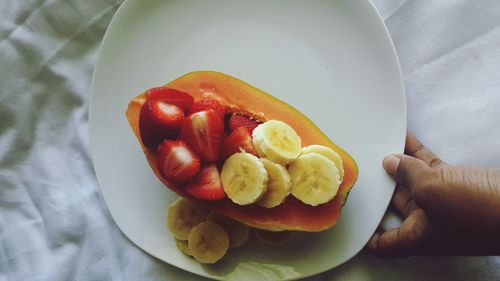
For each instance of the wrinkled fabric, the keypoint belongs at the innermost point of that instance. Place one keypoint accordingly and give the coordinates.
(54, 224)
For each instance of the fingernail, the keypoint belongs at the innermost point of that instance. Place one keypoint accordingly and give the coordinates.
(391, 164)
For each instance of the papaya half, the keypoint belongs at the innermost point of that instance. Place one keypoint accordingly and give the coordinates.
(240, 97)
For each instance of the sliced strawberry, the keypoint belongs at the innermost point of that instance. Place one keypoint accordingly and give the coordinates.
(206, 104)
(207, 185)
(158, 121)
(171, 96)
(176, 161)
(203, 131)
(236, 121)
(237, 140)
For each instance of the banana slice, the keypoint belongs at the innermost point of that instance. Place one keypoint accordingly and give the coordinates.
(328, 153)
(243, 178)
(315, 179)
(184, 247)
(238, 232)
(277, 141)
(278, 185)
(208, 242)
(257, 131)
(274, 238)
(182, 216)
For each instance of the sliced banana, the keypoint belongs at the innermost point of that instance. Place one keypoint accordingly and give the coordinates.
(182, 216)
(243, 178)
(274, 238)
(328, 153)
(278, 185)
(184, 247)
(315, 179)
(208, 242)
(257, 131)
(277, 141)
(238, 232)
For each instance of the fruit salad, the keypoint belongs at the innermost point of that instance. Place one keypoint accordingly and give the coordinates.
(242, 154)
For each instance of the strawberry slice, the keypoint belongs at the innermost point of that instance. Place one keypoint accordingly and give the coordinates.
(171, 96)
(237, 140)
(236, 121)
(158, 121)
(207, 185)
(203, 131)
(206, 104)
(176, 161)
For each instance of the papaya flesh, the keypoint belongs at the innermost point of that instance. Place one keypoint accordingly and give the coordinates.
(240, 97)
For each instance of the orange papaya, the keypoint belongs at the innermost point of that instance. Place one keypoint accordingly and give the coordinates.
(242, 98)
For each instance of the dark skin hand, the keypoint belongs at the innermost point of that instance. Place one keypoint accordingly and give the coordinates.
(446, 210)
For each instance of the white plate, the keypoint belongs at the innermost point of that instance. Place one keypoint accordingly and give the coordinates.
(333, 60)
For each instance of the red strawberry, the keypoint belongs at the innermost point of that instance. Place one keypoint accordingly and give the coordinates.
(240, 138)
(236, 121)
(203, 132)
(158, 121)
(206, 104)
(207, 184)
(176, 161)
(171, 96)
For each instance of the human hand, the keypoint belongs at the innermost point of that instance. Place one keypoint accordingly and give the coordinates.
(446, 210)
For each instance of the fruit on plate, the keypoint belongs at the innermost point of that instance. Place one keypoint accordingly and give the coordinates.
(328, 153)
(183, 246)
(208, 242)
(177, 161)
(315, 179)
(277, 141)
(237, 120)
(162, 114)
(280, 134)
(159, 121)
(182, 216)
(244, 178)
(239, 140)
(203, 131)
(171, 96)
(206, 104)
(278, 186)
(206, 185)
(204, 237)
(238, 233)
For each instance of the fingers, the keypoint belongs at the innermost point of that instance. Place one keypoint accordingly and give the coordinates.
(414, 171)
(404, 241)
(408, 171)
(403, 203)
(416, 149)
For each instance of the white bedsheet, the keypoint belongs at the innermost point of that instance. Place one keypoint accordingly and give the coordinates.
(54, 224)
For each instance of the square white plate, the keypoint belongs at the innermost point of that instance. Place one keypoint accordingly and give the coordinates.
(331, 59)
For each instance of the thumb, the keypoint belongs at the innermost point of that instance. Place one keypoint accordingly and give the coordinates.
(407, 170)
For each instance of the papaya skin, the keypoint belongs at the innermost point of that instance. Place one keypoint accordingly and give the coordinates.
(240, 97)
